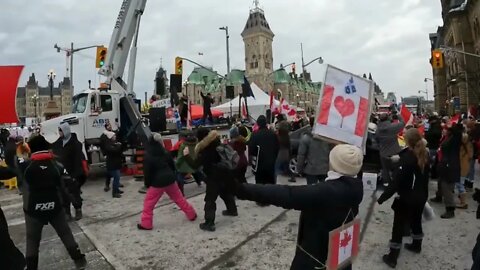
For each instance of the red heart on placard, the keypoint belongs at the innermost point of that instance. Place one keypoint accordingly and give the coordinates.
(286, 107)
(345, 107)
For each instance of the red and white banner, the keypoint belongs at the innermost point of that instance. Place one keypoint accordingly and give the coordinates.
(9, 76)
(406, 115)
(343, 245)
(344, 107)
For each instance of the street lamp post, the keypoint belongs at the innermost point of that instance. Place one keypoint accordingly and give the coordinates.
(70, 51)
(320, 61)
(227, 37)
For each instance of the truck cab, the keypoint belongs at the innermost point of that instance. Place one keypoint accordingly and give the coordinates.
(91, 110)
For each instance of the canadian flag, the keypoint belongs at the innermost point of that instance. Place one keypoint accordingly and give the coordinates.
(273, 106)
(244, 110)
(406, 115)
(285, 108)
(455, 119)
(343, 245)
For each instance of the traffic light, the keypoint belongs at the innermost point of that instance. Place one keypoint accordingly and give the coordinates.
(178, 65)
(293, 69)
(101, 56)
(437, 59)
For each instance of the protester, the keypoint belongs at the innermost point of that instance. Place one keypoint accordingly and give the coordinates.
(113, 150)
(217, 185)
(159, 171)
(476, 254)
(42, 204)
(10, 256)
(325, 206)
(449, 169)
(70, 154)
(264, 145)
(433, 136)
(103, 141)
(183, 167)
(410, 182)
(473, 130)
(207, 104)
(238, 143)
(312, 158)
(283, 159)
(466, 155)
(387, 139)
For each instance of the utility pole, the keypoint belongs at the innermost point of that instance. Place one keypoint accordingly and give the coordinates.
(70, 51)
(227, 37)
(303, 62)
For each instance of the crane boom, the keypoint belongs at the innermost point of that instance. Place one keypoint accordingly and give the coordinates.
(123, 33)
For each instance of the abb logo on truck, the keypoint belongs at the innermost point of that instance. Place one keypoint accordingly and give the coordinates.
(344, 107)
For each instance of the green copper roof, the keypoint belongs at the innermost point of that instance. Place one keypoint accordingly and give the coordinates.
(236, 77)
(281, 76)
(201, 75)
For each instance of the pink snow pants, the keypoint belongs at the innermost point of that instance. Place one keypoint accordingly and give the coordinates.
(154, 194)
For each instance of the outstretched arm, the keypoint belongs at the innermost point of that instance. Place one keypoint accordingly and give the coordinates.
(290, 197)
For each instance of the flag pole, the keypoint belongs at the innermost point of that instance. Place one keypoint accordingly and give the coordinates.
(240, 105)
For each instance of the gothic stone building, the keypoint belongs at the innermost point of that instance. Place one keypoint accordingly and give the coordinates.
(26, 101)
(457, 85)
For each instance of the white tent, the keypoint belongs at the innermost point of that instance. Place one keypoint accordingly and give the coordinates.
(256, 106)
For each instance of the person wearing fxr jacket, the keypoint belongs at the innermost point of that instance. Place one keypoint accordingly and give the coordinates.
(42, 203)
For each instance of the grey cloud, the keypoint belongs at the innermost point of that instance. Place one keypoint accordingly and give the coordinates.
(387, 38)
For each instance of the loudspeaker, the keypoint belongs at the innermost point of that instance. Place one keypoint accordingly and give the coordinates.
(175, 83)
(158, 119)
(230, 92)
(244, 90)
(160, 86)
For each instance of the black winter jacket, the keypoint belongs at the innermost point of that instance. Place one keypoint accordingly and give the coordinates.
(42, 195)
(433, 136)
(113, 151)
(409, 182)
(158, 166)
(269, 145)
(71, 156)
(208, 157)
(449, 166)
(6, 173)
(325, 206)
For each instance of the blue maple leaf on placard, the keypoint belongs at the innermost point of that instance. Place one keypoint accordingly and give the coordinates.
(350, 87)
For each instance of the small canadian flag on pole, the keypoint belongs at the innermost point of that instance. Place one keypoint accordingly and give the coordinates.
(343, 245)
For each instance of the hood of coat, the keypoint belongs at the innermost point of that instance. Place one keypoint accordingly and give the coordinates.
(67, 133)
(211, 137)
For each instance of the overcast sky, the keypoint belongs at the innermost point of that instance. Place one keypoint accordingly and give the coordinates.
(387, 38)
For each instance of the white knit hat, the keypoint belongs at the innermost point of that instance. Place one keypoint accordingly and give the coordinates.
(346, 159)
(157, 137)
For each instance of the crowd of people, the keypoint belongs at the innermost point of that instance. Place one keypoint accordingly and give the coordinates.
(446, 150)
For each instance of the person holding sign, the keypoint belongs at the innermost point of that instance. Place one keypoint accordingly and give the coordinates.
(410, 182)
(325, 207)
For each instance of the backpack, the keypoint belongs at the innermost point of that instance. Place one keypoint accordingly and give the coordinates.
(229, 158)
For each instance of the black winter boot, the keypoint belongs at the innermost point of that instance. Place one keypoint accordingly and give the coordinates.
(415, 246)
(450, 213)
(391, 258)
(77, 257)
(78, 214)
(208, 226)
(230, 214)
(32, 263)
(68, 215)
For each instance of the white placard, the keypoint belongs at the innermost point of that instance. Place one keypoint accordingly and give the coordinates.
(369, 181)
(343, 110)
